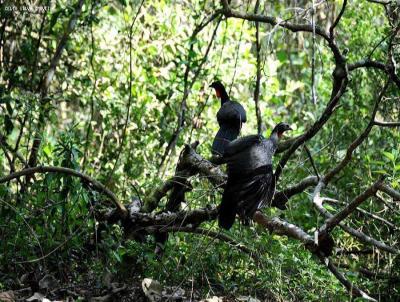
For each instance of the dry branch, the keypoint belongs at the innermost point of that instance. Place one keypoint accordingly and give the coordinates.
(318, 200)
(389, 191)
(333, 221)
(366, 213)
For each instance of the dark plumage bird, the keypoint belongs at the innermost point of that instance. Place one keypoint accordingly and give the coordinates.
(230, 118)
(251, 182)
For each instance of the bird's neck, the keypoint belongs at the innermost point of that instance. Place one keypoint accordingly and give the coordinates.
(274, 138)
(224, 96)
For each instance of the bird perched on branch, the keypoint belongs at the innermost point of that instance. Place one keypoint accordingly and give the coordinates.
(251, 182)
(230, 118)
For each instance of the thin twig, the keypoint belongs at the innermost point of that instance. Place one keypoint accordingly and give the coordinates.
(258, 76)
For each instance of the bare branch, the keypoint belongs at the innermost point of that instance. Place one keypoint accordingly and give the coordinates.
(389, 191)
(333, 221)
(280, 198)
(331, 29)
(371, 274)
(387, 124)
(318, 200)
(368, 251)
(230, 13)
(383, 2)
(367, 63)
(278, 226)
(366, 213)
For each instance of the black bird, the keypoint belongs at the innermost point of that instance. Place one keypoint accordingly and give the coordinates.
(230, 118)
(251, 182)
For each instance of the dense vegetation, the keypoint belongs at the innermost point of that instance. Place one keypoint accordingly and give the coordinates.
(115, 89)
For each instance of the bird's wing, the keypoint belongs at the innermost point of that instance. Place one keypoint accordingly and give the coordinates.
(240, 110)
(241, 144)
(232, 112)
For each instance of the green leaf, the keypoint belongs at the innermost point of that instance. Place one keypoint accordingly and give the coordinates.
(389, 155)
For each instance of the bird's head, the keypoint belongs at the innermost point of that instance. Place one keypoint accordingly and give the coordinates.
(280, 129)
(220, 90)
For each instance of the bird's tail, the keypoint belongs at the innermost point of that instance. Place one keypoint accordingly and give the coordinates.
(227, 211)
(223, 137)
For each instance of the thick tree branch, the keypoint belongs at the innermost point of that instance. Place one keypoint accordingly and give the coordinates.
(366, 63)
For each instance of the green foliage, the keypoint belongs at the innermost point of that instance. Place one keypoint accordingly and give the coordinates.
(51, 223)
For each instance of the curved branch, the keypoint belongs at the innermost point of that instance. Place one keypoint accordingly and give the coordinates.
(280, 198)
(366, 63)
(230, 13)
(387, 124)
(331, 29)
(45, 169)
(389, 191)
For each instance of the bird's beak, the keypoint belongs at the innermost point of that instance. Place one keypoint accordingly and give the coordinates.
(290, 128)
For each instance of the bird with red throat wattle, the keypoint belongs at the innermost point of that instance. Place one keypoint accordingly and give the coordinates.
(230, 117)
